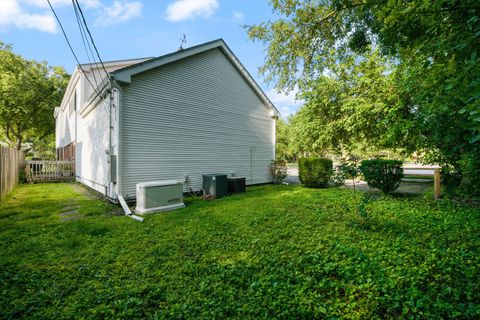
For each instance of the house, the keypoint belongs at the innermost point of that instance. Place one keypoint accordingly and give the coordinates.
(192, 112)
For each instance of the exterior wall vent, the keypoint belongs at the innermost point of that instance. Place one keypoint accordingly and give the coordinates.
(155, 196)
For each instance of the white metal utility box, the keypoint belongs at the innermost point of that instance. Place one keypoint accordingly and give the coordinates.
(163, 195)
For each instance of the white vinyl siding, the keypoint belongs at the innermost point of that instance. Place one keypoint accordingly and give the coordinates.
(65, 122)
(73, 103)
(192, 117)
(92, 167)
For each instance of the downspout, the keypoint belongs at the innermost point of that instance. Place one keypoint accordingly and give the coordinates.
(126, 209)
(77, 96)
(274, 142)
(252, 149)
(121, 199)
(274, 115)
(110, 128)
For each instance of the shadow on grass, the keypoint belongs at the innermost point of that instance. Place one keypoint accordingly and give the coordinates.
(391, 228)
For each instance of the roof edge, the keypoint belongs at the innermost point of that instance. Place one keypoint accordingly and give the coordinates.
(124, 75)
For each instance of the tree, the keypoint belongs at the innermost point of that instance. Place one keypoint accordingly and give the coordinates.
(432, 47)
(29, 93)
(284, 141)
(356, 102)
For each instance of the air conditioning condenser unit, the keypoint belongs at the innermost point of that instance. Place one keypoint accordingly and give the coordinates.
(155, 196)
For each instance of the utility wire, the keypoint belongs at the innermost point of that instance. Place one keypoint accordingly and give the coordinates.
(91, 38)
(84, 37)
(70, 46)
(76, 5)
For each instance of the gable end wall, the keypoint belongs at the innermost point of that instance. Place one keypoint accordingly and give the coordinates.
(192, 117)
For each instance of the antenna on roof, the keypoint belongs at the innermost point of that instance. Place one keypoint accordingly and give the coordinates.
(183, 42)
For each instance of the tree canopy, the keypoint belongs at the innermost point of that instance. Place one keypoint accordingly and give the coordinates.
(403, 73)
(29, 93)
(354, 102)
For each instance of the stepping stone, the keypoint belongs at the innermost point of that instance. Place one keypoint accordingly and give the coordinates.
(71, 208)
(68, 213)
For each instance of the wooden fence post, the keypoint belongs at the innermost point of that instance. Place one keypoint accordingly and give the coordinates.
(436, 183)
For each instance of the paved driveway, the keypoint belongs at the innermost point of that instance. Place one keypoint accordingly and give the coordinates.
(292, 177)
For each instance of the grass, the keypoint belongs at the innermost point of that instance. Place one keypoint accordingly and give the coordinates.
(275, 251)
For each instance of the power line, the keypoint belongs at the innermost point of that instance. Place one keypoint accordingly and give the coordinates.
(84, 39)
(76, 6)
(91, 38)
(70, 46)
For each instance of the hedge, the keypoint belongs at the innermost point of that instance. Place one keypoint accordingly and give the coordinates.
(315, 172)
(382, 174)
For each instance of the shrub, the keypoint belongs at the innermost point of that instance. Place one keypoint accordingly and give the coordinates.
(315, 172)
(382, 174)
(470, 168)
(451, 178)
(23, 175)
(459, 180)
(278, 170)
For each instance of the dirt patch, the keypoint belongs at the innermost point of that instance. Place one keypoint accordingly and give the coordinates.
(92, 195)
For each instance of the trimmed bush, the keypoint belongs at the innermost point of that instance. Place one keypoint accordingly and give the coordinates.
(315, 172)
(382, 174)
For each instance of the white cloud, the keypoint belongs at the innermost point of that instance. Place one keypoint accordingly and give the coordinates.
(12, 14)
(188, 9)
(119, 11)
(36, 14)
(90, 3)
(238, 16)
(287, 104)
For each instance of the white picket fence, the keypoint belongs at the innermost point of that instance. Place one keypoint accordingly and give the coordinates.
(47, 171)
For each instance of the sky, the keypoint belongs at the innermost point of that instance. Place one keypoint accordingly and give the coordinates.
(124, 29)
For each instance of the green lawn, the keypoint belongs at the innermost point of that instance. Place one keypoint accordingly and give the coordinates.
(276, 251)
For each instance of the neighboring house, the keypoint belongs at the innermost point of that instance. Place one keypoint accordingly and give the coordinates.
(192, 112)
